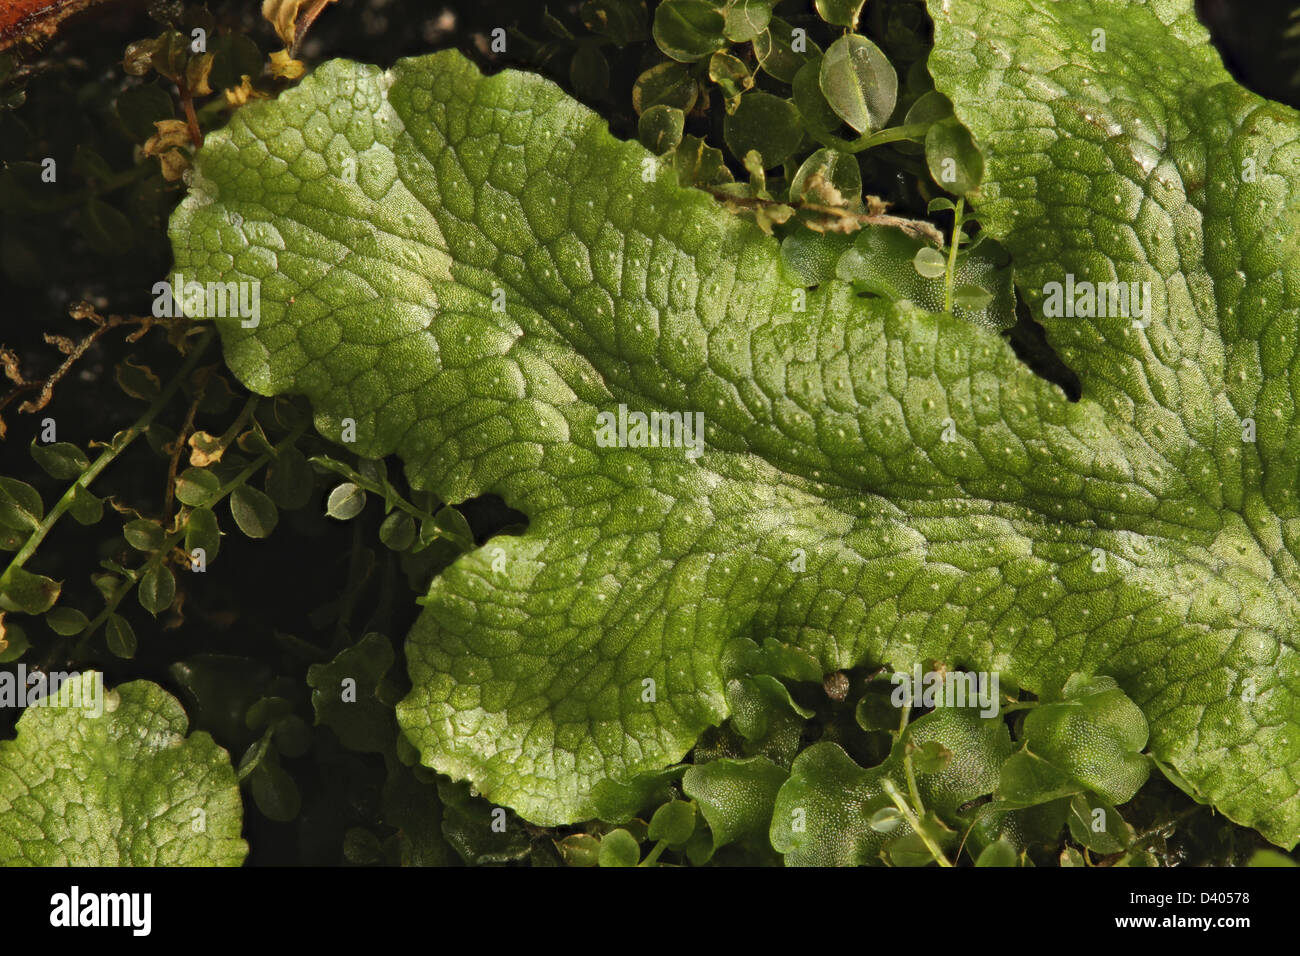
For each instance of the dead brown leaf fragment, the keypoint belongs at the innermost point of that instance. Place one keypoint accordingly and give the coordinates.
(292, 19)
(285, 67)
(171, 133)
(243, 93)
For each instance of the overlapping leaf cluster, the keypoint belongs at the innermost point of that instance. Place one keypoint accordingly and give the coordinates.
(690, 655)
(880, 483)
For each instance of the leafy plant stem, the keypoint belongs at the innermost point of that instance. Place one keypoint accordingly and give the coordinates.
(115, 447)
(880, 137)
(915, 823)
(191, 118)
(952, 254)
(178, 535)
(178, 448)
(387, 493)
(230, 434)
(911, 783)
(653, 856)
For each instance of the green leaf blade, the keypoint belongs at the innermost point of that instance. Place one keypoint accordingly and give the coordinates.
(1190, 192)
(124, 787)
(876, 483)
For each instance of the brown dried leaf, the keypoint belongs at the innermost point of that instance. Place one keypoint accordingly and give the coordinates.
(284, 16)
(205, 449)
(171, 133)
(196, 74)
(286, 67)
(823, 191)
(174, 163)
(241, 94)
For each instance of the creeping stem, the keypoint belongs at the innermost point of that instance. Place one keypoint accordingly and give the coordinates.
(115, 447)
(952, 254)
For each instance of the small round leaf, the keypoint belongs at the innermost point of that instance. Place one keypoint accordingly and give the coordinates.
(971, 297)
(842, 13)
(86, 507)
(622, 21)
(202, 531)
(589, 72)
(275, 792)
(157, 589)
(668, 83)
(766, 124)
(660, 128)
(816, 113)
(143, 534)
(929, 262)
(20, 505)
(579, 849)
(955, 162)
(859, 83)
(930, 107)
(673, 822)
(781, 51)
(689, 30)
(60, 459)
(13, 643)
(138, 109)
(746, 19)
(732, 77)
(21, 590)
(289, 480)
(931, 757)
(886, 820)
(619, 848)
(453, 526)
(346, 501)
(197, 487)
(120, 636)
(66, 621)
(253, 511)
(398, 531)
